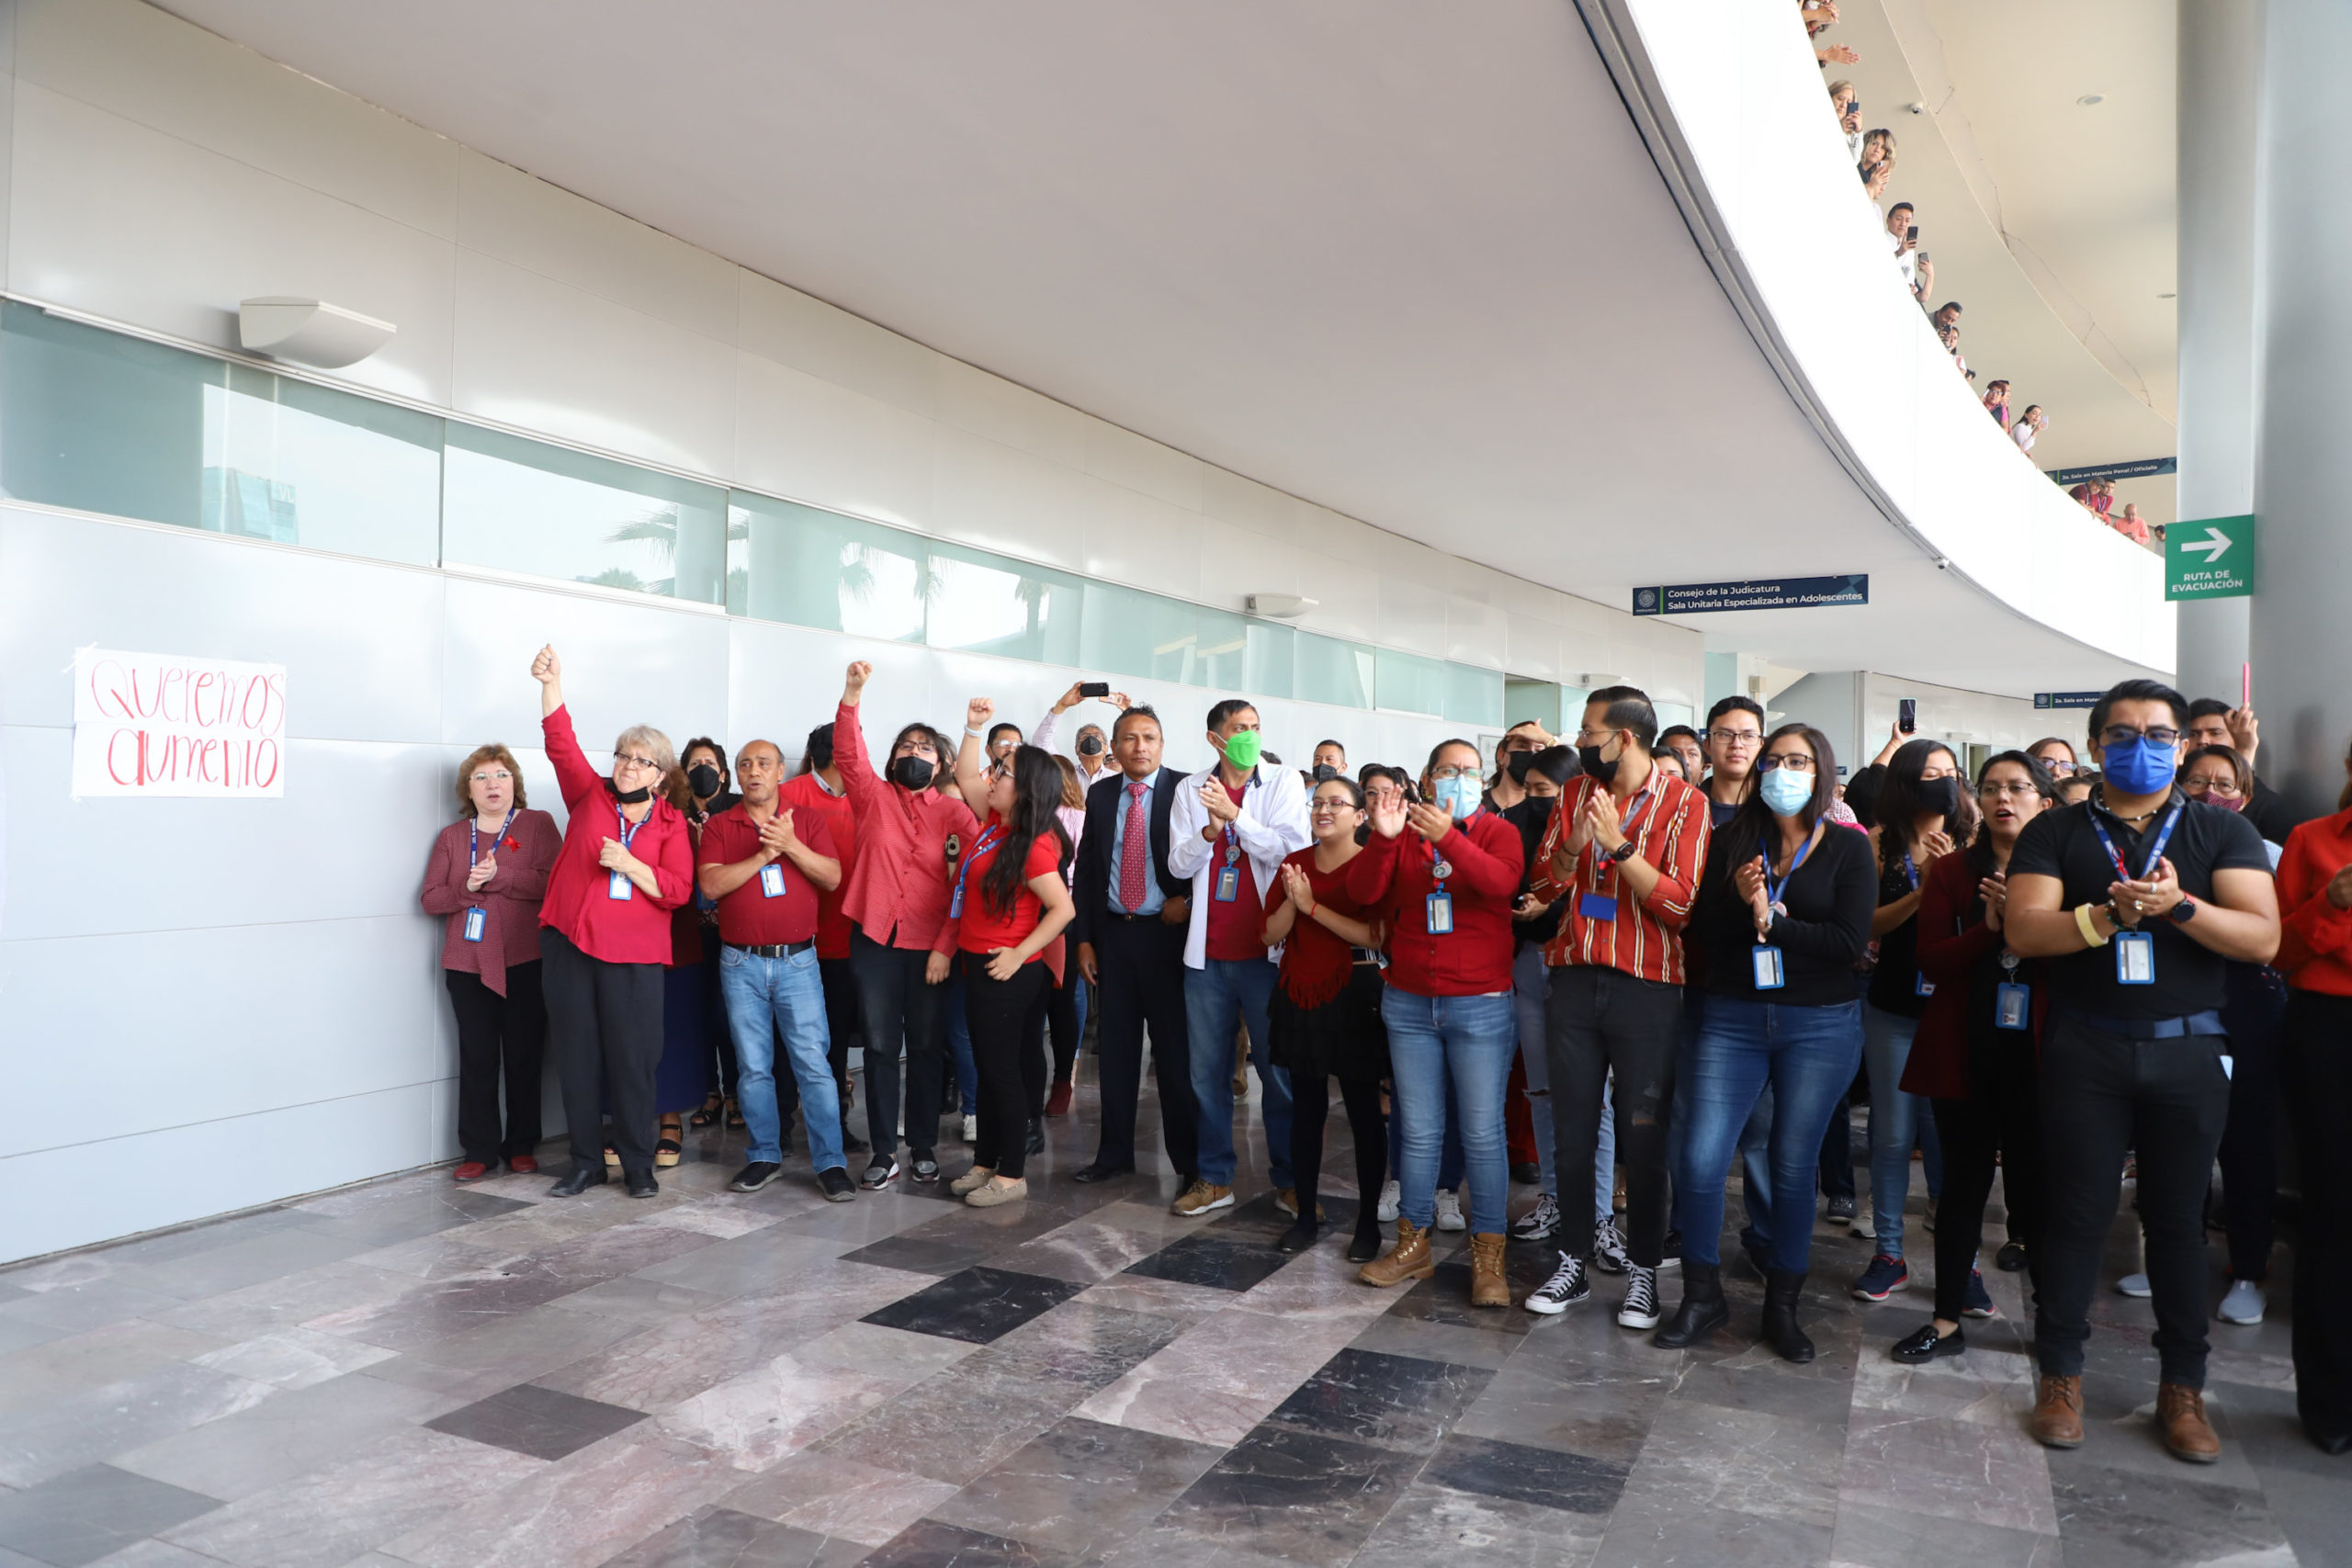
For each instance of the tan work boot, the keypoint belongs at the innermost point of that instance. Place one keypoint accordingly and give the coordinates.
(2180, 1421)
(2058, 1413)
(1286, 1199)
(1408, 1259)
(1487, 1287)
(1200, 1198)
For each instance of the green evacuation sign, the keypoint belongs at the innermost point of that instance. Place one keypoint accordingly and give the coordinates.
(2212, 557)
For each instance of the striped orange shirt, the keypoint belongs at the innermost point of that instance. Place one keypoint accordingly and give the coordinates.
(1669, 824)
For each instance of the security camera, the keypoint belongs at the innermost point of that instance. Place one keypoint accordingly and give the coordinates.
(1916, 108)
(1942, 564)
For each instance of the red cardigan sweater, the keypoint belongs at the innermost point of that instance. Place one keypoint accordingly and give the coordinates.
(1393, 875)
(635, 930)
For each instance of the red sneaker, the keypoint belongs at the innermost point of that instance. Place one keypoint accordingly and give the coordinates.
(1057, 1102)
(473, 1170)
(523, 1165)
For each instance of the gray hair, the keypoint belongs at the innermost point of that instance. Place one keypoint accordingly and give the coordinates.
(644, 740)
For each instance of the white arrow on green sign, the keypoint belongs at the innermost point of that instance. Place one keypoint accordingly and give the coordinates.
(2210, 557)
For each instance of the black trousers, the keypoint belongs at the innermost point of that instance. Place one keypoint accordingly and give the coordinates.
(1837, 1150)
(1054, 1014)
(997, 1012)
(2103, 1094)
(1140, 964)
(840, 1011)
(1596, 1021)
(900, 1013)
(1999, 1125)
(498, 1038)
(718, 1041)
(1310, 1107)
(605, 1025)
(2316, 1069)
(2256, 1020)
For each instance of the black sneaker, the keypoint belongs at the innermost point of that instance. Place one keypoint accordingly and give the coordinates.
(642, 1185)
(754, 1176)
(2011, 1258)
(834, 1183)
(1841, 1211)
(1640, 1309)
(1568, 1285)
(926, 1169)
(880, 1174)
(1927, 1345)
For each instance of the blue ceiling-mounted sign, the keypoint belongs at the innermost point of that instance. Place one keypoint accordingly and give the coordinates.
(2067, 699)
(1753, 594)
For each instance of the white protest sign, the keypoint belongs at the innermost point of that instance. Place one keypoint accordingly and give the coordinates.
(161, 724)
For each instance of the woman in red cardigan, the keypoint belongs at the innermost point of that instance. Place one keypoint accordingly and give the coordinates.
(2315, 955)
(1976, 1055)
(606, 936)
(487, 873)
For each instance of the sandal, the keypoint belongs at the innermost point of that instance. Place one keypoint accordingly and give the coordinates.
(667, 1148)
(734, 1117)
(711, 1109)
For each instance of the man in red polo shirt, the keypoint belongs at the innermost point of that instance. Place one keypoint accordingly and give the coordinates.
(765, 864)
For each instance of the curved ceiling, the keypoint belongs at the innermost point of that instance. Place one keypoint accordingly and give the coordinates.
(1412, 263)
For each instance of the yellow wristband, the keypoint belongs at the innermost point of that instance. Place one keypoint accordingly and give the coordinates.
(2083, 924)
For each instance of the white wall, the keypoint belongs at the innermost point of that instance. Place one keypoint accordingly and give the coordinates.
(212, 1005)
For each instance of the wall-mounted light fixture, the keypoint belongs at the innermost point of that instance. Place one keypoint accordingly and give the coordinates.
(1282, 606)
(310, 332)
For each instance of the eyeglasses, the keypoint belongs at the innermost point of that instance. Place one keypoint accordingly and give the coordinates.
(1438, 776)
(1593, 737)
(1735, 737)
(1991, 787)
(1796, 763)
(2056, 768)
(494, 777)
(2124, 735)
(645, 763)
(2211, 786)
(1330, 807)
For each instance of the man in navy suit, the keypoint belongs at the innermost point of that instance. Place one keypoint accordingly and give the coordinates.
(1130, 924)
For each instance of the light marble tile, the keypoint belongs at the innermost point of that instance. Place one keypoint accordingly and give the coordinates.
(840, 1497)
(1220, 1376)
(294, 1358)
(1959, 1469)
(773, 1412)
(42, 1441)
(75, 1363)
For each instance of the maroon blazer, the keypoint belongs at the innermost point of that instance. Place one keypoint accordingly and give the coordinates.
(1954, 942)
(511, 935)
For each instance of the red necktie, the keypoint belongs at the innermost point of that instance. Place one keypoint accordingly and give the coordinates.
(1133, 846)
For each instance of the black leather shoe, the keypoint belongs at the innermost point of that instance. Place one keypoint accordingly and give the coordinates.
(1036, 1145)
(1101, 1172)
(642, 1185)
(1782, 1289)
(2332, 1442)
(1367, 1243)
(1702, 1310)
(583, 1176)
(1299, 1237)
(2011, 1258)
(1927, 1345)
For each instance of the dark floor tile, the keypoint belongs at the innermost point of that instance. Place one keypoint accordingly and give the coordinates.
(721, 1538)
(1294, 1494)
(2119, 1516)
(85, 1514)
(919, 1257)
(1444, 1297)
(1568, 1482)
(977, 1305)
(1084, 1345)
(927, 1543)
(1395, 1401)
(1226, 1262)
(1081, 1488)
(1397, 1336)
(539, 1422)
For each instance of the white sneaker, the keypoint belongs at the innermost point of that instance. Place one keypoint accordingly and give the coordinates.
(2244, 1305)
(971, 1129)
(1449, 1211)
(2136, 1285)
(1609, 1248)
(1392, 1201)
(1640, 1310)
(1863, 1225)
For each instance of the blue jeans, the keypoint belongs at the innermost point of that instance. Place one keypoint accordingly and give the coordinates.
(1897, 1122)
(1465, 1043)
(1756, 1181)
(1449, 1161)
(765, 997)
(1807, 1055)
(959, 1040)
(1220, 997)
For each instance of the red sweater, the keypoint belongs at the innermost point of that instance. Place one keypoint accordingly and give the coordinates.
(510, 900)
(808, 793)
(898, 894)
(1394, 875)
(635, 930)
(2315, 947)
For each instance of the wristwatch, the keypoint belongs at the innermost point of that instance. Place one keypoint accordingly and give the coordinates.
(1623, 851)
(2184, 911)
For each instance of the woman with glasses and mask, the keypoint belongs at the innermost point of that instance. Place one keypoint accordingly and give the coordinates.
(2055, 756)
(1324, 1021)
(1444, 873)
(1782, 914)
(1977, 1050)
(605, 937)
(1507, 785)
(908, 835)
(488, 872)
(1921, 815)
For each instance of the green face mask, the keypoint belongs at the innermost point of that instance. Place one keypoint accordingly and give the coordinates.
(1241, 748)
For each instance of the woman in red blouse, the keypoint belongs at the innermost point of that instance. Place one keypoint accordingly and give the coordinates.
(488, 872)
(605, 935)
(1010, 903)
(1324, 1021)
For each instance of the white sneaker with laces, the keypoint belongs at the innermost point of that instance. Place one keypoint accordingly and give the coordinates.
(971, 1129)
(1568, 1285)
(2136, 1285)
(2244, 1305)
(1540, 1224)
(1608, 1247)
(1449, 1211)
(1640, 1310)
(1863, 1224)
(1392, 1201)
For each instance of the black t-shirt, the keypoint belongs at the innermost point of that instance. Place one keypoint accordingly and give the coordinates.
(1829, 899)
(1894, 982)
(1531, 816)
(2190, 976)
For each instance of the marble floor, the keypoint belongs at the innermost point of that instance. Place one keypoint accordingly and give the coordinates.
(410, 1373)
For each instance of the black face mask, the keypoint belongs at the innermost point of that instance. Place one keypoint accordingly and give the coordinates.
(1325, 772)
(1595, 768)
(912, 772)
(628, 796)
(704, 780)
(1940, 796)
(1517, 764)
(1090, 747)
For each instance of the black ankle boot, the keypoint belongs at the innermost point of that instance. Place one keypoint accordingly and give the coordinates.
(1368, 1242)
(1037, 1143)
(1300, 1236)
(1782, 1289)
(1702, 1310)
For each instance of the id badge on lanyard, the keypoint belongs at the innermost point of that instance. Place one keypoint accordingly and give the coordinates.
(617, 885)
(1228, 876)
(771, 881)
(1439, 911)
(477, 924)
(955, 900)
(1771, 973)
(1920, 984)
(2135, 958)
(2012, 1001)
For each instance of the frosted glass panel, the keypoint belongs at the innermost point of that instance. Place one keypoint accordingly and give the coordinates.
(1222, 662)
(521, 506)
(790, 562)
(1129, 632)
(1409, 683)
(1326, 670)
(985, 604)
(1270, 664)
(1473, 695)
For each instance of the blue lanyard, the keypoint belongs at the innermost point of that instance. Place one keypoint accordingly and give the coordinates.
(1772, 889)
(988, 840)
(1910, 871)
(473, 838)
(629, 829)
(2155, 850)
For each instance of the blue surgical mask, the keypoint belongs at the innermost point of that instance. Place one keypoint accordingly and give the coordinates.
(1785, 793)
(2139, 768)
(1459, 796)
